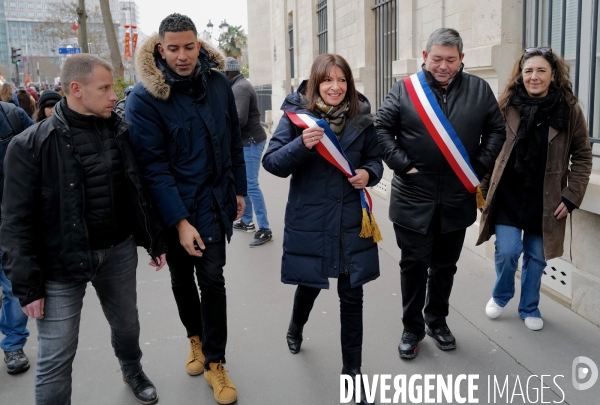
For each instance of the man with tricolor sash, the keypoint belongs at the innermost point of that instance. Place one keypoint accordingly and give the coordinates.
(440, 131)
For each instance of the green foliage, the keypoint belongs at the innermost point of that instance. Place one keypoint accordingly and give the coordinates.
(245, 71)
(120, 85)
(233, 41)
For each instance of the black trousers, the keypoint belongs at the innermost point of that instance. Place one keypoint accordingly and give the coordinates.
(206, 318)
(427, 269)
(351, 306)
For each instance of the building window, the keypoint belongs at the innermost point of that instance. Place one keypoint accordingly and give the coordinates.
(13, 4)
(385, 47)
(22, 14)
(322, 25)
(30, 5)
(291, 47)
(13, 13)
(22, 5)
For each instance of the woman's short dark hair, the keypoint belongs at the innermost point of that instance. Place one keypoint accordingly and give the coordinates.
(176, 23)
(561, 81)
(40, 113)
(320, 70)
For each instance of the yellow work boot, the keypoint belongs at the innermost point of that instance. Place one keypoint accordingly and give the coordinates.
(195, 361)
(216, 377)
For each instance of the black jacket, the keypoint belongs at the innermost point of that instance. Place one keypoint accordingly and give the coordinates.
(472, 109)
(246, 102)
(323, 216)
(43, 234)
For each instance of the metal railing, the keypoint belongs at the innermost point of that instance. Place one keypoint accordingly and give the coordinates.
(386, 48)
(322, 25)
(291, 47)
(263, 94)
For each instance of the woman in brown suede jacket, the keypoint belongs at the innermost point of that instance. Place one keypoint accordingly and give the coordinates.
(533, 187)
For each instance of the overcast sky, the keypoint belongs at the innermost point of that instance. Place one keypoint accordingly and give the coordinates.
(200, 11)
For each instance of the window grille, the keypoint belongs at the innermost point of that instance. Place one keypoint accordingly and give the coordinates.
(291, 48)
(322, 25)
(385, 47)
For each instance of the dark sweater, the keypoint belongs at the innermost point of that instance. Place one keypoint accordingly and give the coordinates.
(517, 205)
(107, 206)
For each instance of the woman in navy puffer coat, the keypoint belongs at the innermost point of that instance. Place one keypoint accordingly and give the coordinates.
(323, 215)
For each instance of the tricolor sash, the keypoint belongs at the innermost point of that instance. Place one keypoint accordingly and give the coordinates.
(441, 130)
(329, 147)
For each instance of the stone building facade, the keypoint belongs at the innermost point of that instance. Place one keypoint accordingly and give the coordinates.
(383, 42)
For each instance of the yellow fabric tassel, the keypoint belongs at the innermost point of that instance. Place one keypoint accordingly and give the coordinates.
(375, 230)
(366, 231)
(479, 197)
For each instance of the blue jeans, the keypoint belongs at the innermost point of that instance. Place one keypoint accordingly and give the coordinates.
(58, 332)
(510, 243)
(254, 199)
(13, 321)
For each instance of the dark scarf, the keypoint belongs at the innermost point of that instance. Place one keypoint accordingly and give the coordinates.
(549, 111)
(334, 115)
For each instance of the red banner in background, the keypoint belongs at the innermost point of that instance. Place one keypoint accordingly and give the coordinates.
(135, 36)
(127, 45)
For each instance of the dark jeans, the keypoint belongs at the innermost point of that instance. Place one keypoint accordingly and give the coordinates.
(351, 306)
(427, 268)
(206, 318)
(58, 332)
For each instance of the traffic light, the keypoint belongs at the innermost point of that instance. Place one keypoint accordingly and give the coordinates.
(16, 54)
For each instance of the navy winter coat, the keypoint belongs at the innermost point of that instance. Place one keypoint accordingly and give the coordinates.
(188, 146)
(323, 215)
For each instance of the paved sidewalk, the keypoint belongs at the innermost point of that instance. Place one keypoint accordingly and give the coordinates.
(264, 371)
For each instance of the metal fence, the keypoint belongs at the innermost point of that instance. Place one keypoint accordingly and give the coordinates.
(291, 47)
(322, 25)
(264, 93)
(386, 48)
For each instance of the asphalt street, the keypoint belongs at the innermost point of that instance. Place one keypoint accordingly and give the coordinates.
(266, 373)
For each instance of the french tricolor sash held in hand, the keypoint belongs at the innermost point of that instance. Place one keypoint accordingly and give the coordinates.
(442, 132)
(330, 149)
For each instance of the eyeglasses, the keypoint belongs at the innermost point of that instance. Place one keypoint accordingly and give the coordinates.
(542, 50)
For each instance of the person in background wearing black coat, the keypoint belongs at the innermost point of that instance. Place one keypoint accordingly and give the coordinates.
(45, 105)
(254, 139)
(430, 206)
(323, 216)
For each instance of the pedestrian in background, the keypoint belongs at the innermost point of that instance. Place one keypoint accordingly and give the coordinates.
(73, 201)
(533, 187)
(45, 105)
(433, 198)
(324, 215)
(26, 101)
(254, 139)
(13, 321)
(7, 94)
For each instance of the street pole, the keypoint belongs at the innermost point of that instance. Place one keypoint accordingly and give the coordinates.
(82, 34)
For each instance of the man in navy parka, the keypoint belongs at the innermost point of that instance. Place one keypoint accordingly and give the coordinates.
(187, 141)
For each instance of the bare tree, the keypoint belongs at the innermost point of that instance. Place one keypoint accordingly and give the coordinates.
(111, 36)
(83, 37)
(57, 29)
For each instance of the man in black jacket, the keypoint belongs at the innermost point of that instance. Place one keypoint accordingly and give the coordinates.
(254, 139)
(430, 206)
(73, 210)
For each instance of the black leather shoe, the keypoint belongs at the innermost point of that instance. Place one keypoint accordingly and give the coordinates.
(409, 345)
(444, 339)
(143, 389)
(294, 337)
(353, 372)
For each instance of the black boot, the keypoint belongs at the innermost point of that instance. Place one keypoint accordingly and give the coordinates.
(353, 372)
(294, 337)
(143, 389)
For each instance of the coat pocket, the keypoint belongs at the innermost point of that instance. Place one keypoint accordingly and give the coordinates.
(174, 141)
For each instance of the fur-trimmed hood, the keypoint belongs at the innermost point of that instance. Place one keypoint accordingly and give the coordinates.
(153, 78)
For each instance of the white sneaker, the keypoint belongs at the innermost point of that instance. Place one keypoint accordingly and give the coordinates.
(534, 323)
(493, 310)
